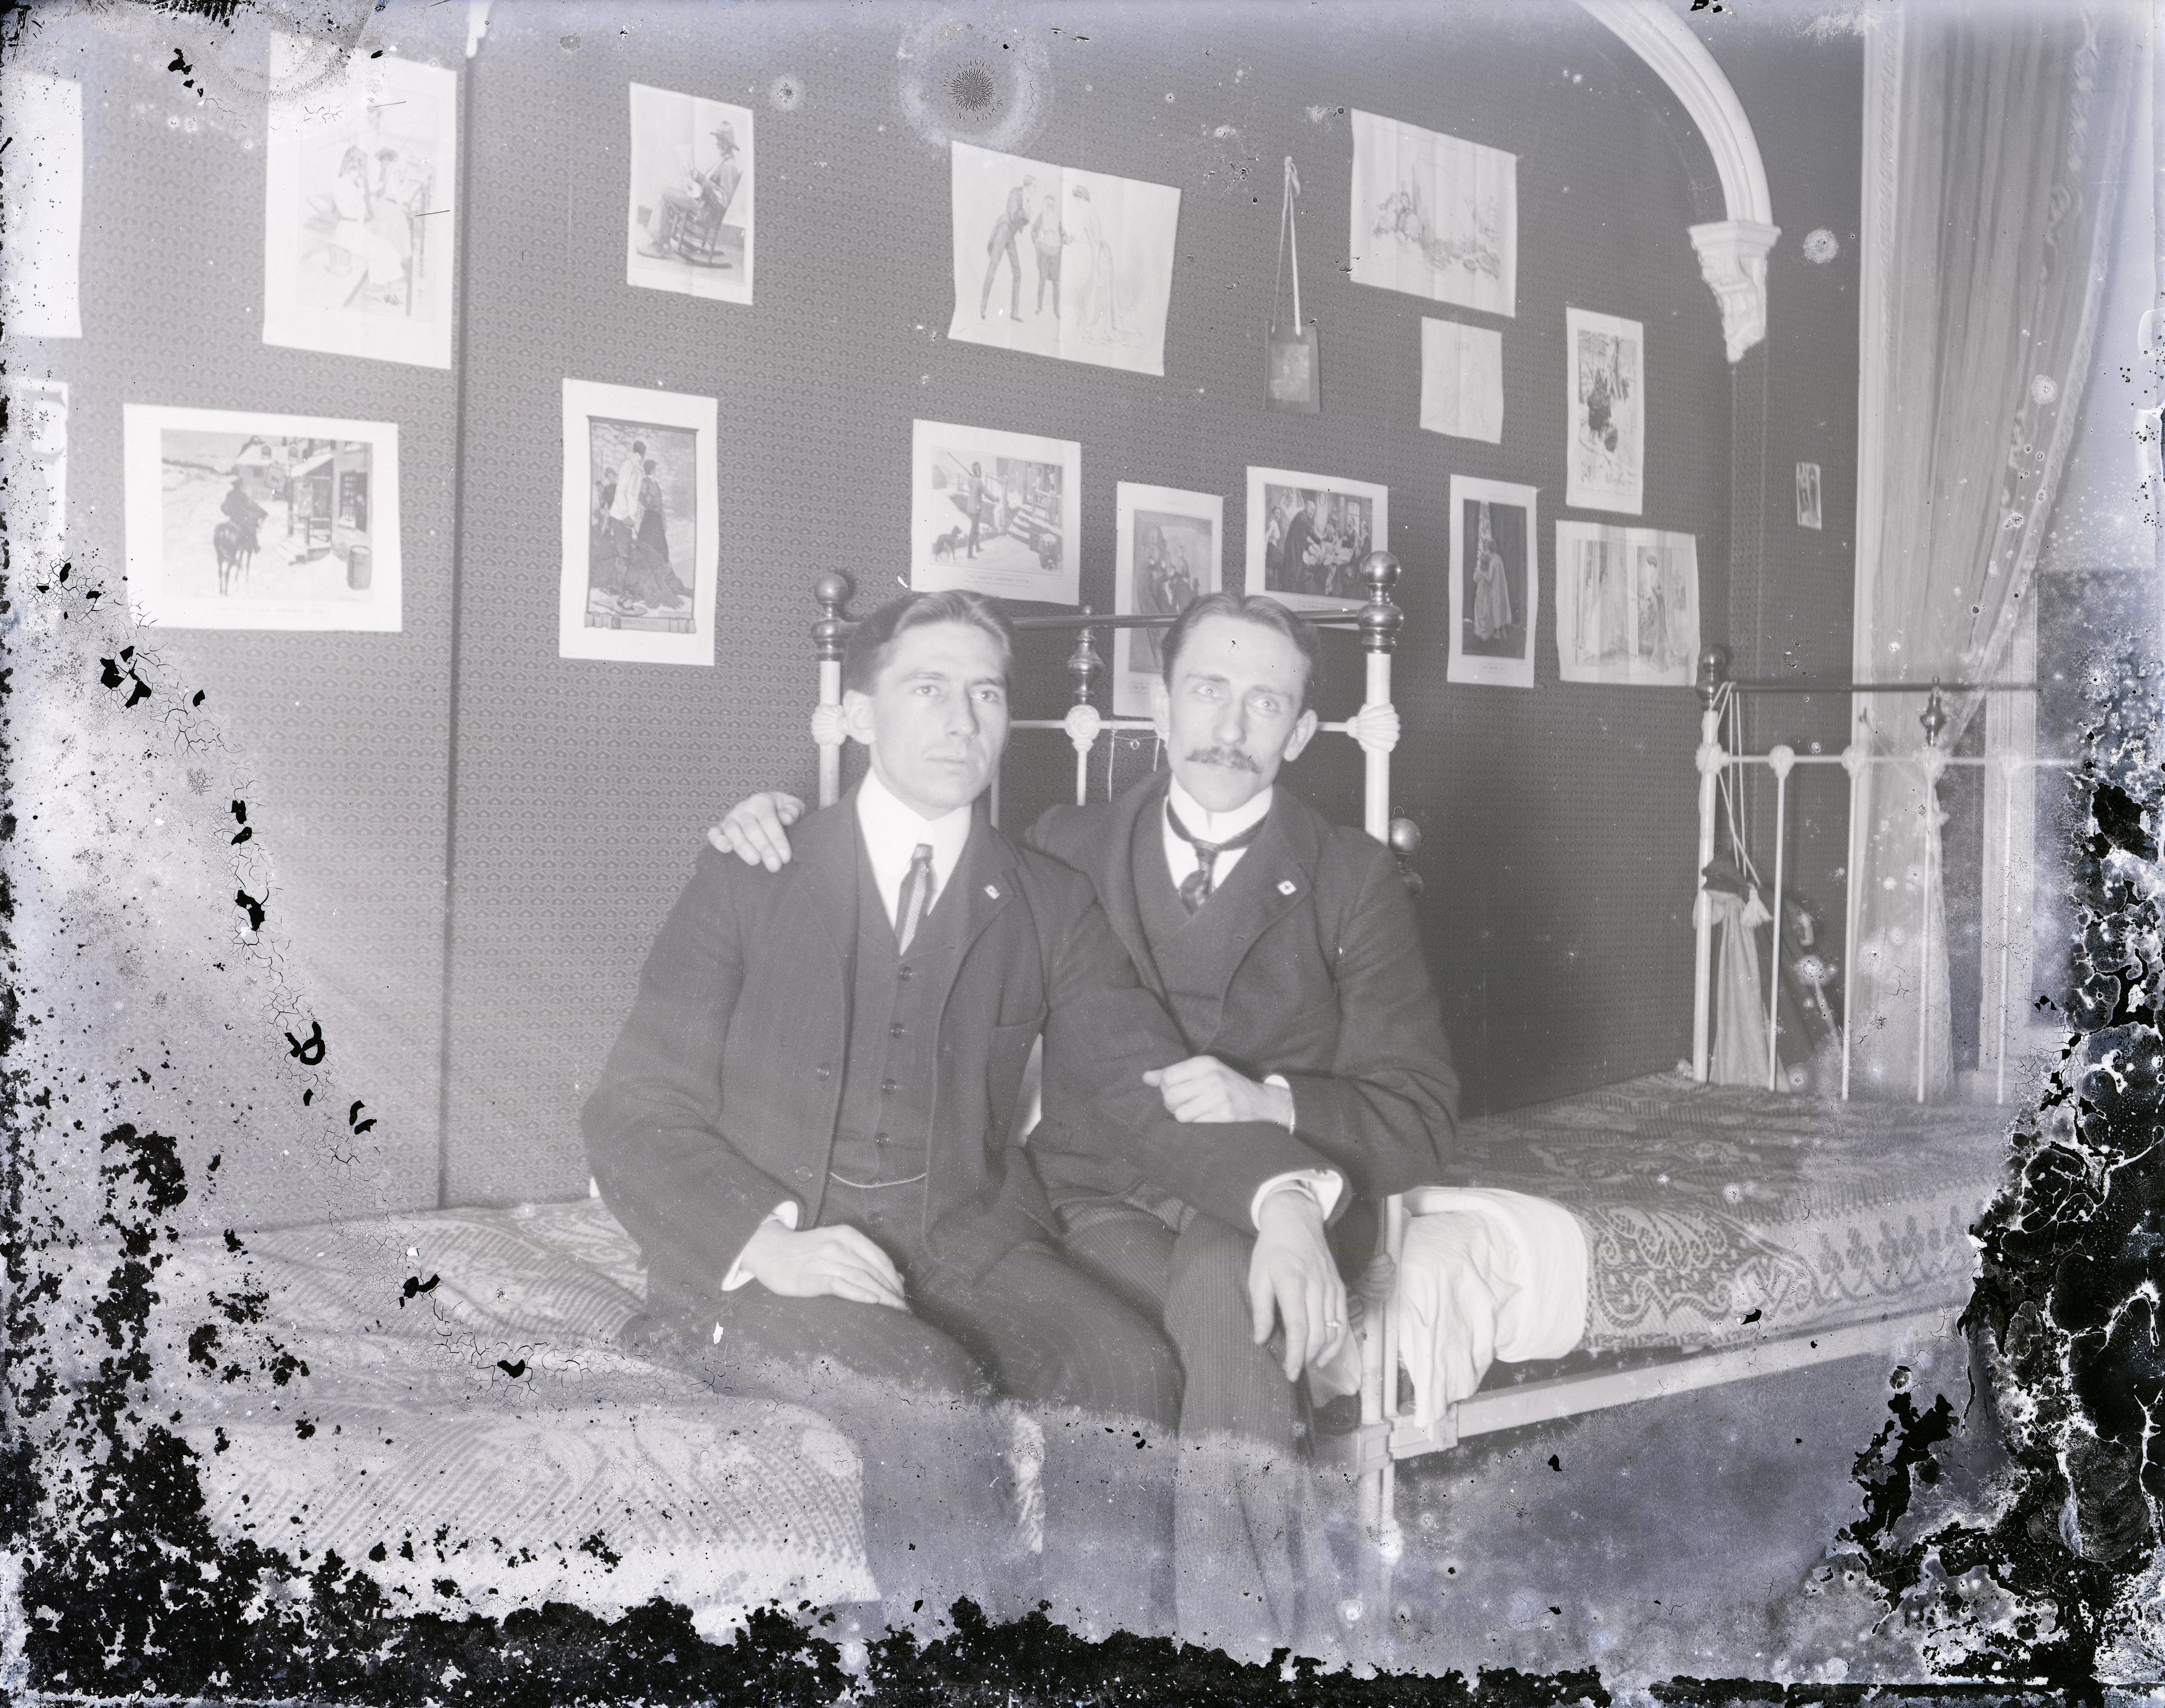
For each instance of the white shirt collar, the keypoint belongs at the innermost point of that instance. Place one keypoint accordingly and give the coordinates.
(891, 831)
(1215, 827)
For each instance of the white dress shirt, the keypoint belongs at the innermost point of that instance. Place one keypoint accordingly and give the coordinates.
(1326, 1184)
(892, 832)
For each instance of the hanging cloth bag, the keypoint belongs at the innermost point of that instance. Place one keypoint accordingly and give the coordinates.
(1292, 382)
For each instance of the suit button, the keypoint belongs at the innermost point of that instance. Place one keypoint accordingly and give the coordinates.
(824, 1071)
(895, 1030)
(888, 1088)
(879, 1138)
(903, 973)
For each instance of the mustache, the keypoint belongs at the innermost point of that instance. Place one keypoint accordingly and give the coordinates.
(1230, 757)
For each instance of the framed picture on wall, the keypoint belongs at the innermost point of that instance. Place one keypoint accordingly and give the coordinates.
(1306, 534)
(1495, 589)
(360, 223)
(1808, 495)
(241, 519)
(1607, 443)
(1435, 215)
(997, 513)
(1168, 554)
(1058, 261)
(690, 219)
(641, 524)
(1627, 605)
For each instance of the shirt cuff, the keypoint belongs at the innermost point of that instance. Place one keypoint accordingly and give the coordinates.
(1543, 1249)
(1323, 1185)
(1292, 1120)
(785, 1214)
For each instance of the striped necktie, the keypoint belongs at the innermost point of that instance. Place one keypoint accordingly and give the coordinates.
(1195, 888)
(915, 898)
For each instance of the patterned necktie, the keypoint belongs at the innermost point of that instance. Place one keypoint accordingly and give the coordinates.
(916, 896)
(1195, 888)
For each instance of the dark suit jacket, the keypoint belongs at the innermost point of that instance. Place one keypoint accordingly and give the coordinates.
(1330, 990)
(720, 1099)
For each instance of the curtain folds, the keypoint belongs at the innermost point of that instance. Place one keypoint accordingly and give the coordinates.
(1992, 153)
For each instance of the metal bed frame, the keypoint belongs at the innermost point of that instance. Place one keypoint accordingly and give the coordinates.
(1369, 1454)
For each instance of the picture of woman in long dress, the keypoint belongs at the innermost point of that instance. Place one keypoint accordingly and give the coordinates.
(1492, 595)
(385, 269)
(1098, 312)
(648, 578)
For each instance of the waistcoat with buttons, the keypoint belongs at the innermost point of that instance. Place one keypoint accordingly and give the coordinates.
(1196, 953)
(883, 1135)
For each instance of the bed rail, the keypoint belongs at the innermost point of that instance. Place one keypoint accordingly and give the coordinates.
(1718, 695)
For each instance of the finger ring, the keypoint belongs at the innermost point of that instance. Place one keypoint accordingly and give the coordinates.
(1333, 1324)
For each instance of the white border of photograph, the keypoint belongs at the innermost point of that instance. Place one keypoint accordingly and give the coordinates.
(1629, 607)
(1132, 685)
(421, 341)
(143, 427)
(1405, 180)
(584, 399)
(698, 119)
(1587, 487)
(1111, 287)
(939, 557)
(41, 267)
(1255, 565)
(1491, 669)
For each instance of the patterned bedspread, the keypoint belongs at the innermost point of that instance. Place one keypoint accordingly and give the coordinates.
(1705, 1203)
(469, 1435)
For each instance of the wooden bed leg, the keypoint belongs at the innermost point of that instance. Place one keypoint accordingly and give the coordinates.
(1380, 622)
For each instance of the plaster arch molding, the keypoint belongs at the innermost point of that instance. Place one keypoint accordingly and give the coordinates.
(1732, 252)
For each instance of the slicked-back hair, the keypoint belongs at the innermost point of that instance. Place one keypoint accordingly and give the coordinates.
(1264, 613)
(865, 654)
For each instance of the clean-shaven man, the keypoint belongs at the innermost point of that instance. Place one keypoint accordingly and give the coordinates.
(1288, 952)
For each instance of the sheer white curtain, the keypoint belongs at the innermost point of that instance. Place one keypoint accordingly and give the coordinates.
(1991, 155)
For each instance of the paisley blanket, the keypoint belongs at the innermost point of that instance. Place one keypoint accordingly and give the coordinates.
(467, 1433)
(1717, 1213)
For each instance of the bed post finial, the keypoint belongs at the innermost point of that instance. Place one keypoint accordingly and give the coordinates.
(1380, 619)
(1083, 663)
(1934, 718)
(1713, 671)
(831, 593)
(1404, 841)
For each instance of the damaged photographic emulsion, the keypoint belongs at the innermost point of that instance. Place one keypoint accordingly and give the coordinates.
(1084, 1112)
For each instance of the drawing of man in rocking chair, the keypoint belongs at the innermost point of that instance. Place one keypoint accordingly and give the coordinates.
(689, 222)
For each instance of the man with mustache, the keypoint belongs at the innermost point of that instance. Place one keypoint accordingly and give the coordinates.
(807, 1120)
(1288, 952)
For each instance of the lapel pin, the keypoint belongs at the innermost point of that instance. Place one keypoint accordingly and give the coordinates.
(993, 891)
(1287, 886)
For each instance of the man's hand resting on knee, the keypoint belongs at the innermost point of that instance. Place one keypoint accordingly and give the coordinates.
(756, 830)
(1293, 1278)
(828, 1260)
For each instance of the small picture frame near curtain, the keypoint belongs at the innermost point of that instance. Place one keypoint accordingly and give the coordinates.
(1292, 378)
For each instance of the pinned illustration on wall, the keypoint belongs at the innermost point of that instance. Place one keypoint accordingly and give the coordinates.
(1461, 381)
(1293, 381)
(1808, 495)
(1627, 604)
(1495, 592)
(691, 217)
(359, 229)
(1607, 404)
(995, 513)
(1435, 215)
(1307, 534)
(1100, 251)
(241, 519)
(1170, 553)
(641, 525)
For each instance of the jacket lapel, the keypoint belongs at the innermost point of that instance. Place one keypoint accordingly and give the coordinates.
(826, 855)
(983, 886)
(1284, 856)
(1112, 872)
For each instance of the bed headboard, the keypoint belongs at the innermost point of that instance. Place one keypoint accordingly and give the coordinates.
(1377, 623)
